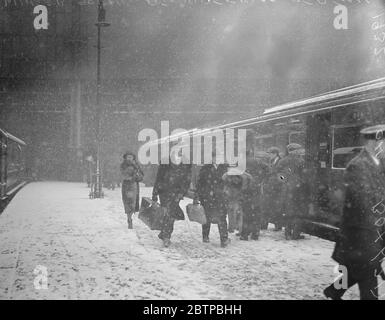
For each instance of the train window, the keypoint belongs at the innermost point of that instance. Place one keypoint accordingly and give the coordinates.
(262, 143)
(346, 145)
(297, 137)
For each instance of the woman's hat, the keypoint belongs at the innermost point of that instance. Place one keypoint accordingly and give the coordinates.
(128, 153)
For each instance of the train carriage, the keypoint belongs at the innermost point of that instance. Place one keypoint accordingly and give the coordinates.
(12, 166)
(327, 126)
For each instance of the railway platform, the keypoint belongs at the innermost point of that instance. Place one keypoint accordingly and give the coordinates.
(56, 243)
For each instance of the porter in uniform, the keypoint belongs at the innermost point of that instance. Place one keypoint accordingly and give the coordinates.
(359, 248)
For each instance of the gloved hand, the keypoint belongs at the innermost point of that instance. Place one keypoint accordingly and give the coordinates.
(154, 198)
(195, 201)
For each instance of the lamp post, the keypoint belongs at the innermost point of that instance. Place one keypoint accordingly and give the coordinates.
(98, 192)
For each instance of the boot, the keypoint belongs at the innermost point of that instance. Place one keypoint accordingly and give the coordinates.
(206, 239)
(288, 235)
(225, 243)
(244, 238)
(254, 236)
(331, 293)
(129, 222)
(166, 243)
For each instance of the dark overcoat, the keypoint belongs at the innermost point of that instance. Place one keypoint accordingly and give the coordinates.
(272, 201)
(210, 189)
(171, 184)
(260, 172)
(290, 171)
(360, 246)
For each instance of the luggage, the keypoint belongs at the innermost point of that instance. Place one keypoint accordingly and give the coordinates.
(196, 213)
(151, 213)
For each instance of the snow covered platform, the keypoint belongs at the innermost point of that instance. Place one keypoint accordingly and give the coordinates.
(89, 253)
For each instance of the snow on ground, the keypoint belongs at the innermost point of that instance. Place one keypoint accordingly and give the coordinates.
(90, 254)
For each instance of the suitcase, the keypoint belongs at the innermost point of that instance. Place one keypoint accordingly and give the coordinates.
(151, 213)
(196, 213)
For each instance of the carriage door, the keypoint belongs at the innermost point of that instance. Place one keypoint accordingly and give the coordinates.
(318, 162)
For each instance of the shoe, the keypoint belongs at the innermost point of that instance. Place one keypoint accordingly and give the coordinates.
(160, 236)
(254, 236)
(264, 226)
(238, 234)
(166, 243)
(244, 238)
(225, 243)
(331, 293)
(299, 237)
(206, 239)
(230, 231)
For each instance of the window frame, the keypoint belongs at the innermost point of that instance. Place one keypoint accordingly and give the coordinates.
(342, 126)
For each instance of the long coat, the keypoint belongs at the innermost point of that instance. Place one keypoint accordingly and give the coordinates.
(131, 175)
(260, 172)
(210, 189)
(233, 193)
(290, 171)
(171, 184)
(272, 200)
(359, 247)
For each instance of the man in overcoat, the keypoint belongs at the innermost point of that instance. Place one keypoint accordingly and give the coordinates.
(273, 205)
(360, 247)
(171, 185)
(290, 171)
(210, 193)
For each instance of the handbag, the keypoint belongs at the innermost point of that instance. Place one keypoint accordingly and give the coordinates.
(151, 213)
(196, 213)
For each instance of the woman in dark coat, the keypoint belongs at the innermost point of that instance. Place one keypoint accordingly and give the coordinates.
(171, 184)
(273, 201)
(131, 176)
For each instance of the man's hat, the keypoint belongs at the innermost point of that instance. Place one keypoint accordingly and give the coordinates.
(374, 133)
(273, 150)
(293, 147)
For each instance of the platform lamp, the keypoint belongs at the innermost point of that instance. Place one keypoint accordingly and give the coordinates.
(97, 192)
